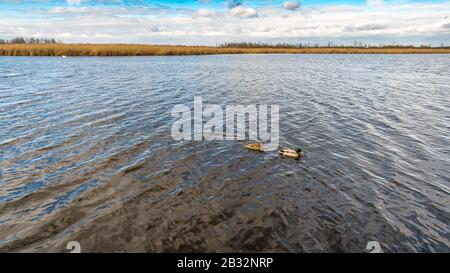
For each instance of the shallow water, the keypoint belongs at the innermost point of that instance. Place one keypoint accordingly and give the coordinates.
(87, 155)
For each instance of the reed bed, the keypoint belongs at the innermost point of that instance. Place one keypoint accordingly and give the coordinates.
(163, 50)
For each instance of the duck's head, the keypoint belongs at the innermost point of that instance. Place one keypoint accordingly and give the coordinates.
(298, 150)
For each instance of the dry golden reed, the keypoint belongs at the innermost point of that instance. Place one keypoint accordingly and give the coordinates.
(160, 50)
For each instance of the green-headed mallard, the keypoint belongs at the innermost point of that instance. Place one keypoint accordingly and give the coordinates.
(255, 147)
(297, 153)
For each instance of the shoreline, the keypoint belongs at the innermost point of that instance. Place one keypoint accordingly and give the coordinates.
(169, 50)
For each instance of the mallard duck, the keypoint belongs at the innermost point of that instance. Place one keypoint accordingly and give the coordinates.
(297, 153)
(255, 147)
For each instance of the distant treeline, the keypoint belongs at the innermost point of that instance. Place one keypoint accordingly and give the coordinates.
(23, 40)
(254, 45)
(317, 45)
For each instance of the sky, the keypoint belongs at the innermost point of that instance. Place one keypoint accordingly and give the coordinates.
(212, 22)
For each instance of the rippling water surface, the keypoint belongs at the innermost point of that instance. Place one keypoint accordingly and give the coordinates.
(87, 154)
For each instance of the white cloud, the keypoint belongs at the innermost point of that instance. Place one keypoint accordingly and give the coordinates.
(366, 27)
(204, 13)
(243, 12)
(73, 2)
(291, 5)
(387, 23)
(374, 3)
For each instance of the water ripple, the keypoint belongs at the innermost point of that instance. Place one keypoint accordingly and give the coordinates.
(86, 154)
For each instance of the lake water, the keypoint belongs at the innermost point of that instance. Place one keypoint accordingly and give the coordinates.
(87, 155)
